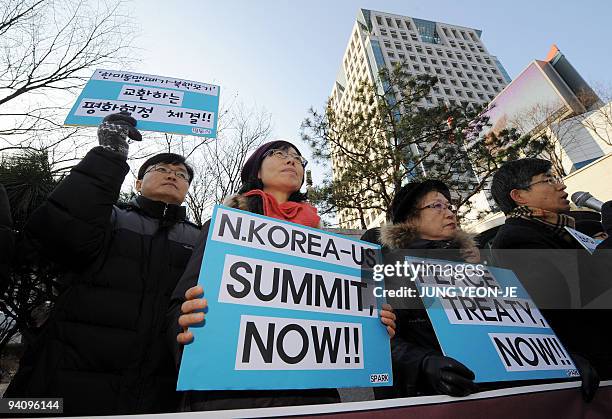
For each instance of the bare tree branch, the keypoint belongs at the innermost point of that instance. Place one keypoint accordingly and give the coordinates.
(48, 49)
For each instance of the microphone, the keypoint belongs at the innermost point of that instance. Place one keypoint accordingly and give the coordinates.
(585, 199)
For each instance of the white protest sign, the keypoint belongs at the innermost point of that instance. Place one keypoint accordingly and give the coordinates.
(290, 344)
(246, 229)
(292, 287)
(528, 352)
(492, 311)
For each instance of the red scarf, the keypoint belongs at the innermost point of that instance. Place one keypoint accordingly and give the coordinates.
(295, 212)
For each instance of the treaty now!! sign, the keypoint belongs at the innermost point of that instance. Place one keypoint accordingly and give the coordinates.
(288, 308)
(486, 320)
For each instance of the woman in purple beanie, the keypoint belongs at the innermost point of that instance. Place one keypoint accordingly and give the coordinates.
(271, 181)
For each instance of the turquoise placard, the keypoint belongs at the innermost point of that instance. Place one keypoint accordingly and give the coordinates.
(289, 307)
(158, 103)
(486, 320)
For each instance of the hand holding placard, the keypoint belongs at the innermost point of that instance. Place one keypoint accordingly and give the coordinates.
(193, 313)
(446, 375)
(192, 317)
(590, 378)
(113, 131)
(387, 317)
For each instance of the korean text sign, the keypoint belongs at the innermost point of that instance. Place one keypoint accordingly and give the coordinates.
(288, 309)
(487, 321)
(158, 103)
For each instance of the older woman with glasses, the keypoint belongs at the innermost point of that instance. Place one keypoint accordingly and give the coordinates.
(271, 182)
(422, 224)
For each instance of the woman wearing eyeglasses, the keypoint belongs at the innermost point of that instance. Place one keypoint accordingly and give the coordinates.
(422, 224)
(271, 182)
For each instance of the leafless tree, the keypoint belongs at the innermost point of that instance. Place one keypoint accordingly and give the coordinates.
(563, 131)
(48, 49)
(599, 118)
(550, 124)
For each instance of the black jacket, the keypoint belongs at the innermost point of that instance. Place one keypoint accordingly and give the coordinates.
(561, 277)
(415, 337)
(230, 399)
(557, 273)
(540, 261)
(102, 349)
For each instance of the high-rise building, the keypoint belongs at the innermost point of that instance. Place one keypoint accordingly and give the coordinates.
(549, 97)
(467, 72)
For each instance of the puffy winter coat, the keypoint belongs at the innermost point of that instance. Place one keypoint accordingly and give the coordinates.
(102, 349)
(415, 337)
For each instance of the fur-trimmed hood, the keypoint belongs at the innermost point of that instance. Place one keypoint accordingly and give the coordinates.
(403, 235)
(236, 201)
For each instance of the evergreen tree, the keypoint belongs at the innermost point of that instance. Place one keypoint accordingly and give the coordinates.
(389, 137)
(30, 285)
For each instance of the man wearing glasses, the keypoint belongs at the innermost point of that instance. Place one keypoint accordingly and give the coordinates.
(550, 263)
(102, 349)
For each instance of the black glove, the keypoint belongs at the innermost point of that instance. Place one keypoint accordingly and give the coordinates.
(5, 209)
(590, 378)
(114, 129)
(606, 217)
(448, 376)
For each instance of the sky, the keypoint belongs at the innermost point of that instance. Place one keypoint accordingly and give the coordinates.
(284, 55)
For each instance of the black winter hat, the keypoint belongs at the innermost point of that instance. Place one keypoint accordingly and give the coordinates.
(253, 164)
(406, 199)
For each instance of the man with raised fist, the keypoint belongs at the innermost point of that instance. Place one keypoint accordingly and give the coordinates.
(102, 348)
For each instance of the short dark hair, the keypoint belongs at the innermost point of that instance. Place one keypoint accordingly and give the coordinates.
(166, 158)
(515, 174)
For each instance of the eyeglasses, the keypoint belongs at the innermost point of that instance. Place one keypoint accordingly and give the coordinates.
(282, 154)
(165, 171)
(553, 180)
(440, 206)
